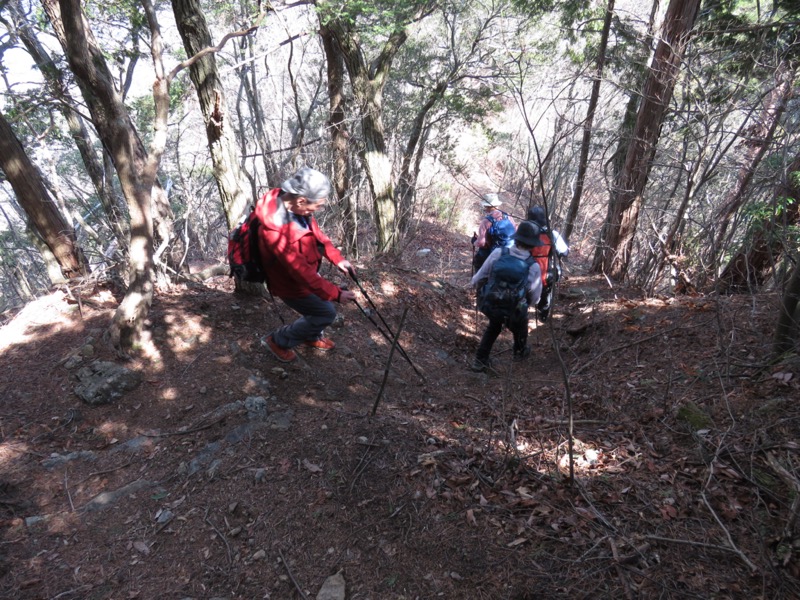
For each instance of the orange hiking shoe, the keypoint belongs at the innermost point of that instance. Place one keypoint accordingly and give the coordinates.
(321, 344)
(282, 354)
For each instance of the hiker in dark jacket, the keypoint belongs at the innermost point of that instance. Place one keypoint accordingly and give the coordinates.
(292, 246)
(525, 238)
(482, 240)
(543, 254)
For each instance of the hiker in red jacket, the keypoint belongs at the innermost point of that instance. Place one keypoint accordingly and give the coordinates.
(292, 245)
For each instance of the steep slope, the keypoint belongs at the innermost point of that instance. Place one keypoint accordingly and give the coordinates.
(228, 474)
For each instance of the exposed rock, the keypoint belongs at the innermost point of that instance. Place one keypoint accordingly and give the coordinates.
(57, 460)
(103, 382)
(106, 499)
(333, 588)
(256, 408)
(134, 444)
(73, 361)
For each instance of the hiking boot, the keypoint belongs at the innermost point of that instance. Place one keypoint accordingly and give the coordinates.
(282, 354)
(480, 366)
(542, 315)
(518, 356)
(321, 344)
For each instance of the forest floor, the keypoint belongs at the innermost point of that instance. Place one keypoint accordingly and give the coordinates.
(685, 452)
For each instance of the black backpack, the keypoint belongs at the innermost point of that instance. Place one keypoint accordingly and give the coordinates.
(505, 291)
(243, 256)
(500, 232)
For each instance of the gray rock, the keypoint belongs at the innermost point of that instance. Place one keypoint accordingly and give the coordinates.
(213, 468)
(106, 499)
(257, 409)
(203, 458)
(73, 361)
(164, 517)
(133, 445)
(104, 382)
(57, 460)
(333, 588)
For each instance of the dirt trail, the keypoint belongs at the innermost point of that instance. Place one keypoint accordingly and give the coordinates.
(230, 475)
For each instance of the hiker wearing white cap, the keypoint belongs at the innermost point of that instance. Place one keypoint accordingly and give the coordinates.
(292, 246)
(496, 230)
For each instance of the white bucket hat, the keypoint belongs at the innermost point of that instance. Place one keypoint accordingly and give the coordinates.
(490, 199)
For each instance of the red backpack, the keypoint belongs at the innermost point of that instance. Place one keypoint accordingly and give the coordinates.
(542, 255)
(243, 256)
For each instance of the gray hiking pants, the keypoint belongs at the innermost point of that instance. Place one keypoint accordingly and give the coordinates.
(316, 313)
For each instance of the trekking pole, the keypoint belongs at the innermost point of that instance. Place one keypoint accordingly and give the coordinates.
(275, 304)
(474, 237)
(389, 362)
(352, 274)
(389, 339)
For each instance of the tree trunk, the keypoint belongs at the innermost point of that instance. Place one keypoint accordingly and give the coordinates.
(757, 142)
(616, 240)
(787, 329)
(162, 219)
(56, 84)
(116, 130)
(583, 160)
(750, 268)
(219, 125)
(35, 200)
(407, 181)
(339, 138)
(248, 76)
(368, 83)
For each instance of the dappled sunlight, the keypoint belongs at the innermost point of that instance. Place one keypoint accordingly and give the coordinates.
(113, 431)
(183, 335)
(388, 288)
(39, 319)
(169, 393)
(10, 451)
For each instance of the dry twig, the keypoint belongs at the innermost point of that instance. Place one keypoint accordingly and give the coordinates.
(222, 537)
(291, 576)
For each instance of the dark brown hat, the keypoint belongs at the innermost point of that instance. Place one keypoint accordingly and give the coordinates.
(528, 234)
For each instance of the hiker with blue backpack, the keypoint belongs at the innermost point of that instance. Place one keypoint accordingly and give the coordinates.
(508, 282)
(291, 248)
(496, 230)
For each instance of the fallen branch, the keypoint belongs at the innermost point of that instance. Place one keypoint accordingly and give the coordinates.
(222, 537)
(657, 538)
(389, 361)
(186, 431)
(294, 581)
(792, 482)
(620, 571)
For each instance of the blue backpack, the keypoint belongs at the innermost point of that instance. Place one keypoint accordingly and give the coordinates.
(500, 232)
(505, 291)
